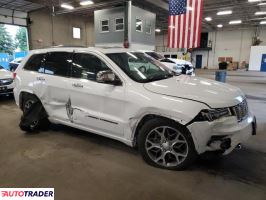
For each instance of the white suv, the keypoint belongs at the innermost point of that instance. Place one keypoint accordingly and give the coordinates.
(130, 97)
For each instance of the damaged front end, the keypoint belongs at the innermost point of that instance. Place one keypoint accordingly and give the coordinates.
(222, 129)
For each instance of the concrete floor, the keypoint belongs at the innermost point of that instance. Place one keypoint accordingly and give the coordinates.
(86, 166)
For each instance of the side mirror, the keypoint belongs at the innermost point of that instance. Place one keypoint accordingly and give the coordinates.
(107, 77)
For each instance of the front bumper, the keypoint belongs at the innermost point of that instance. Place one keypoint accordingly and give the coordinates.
(223, 134)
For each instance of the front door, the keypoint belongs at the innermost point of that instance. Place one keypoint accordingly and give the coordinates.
(263, 63)
(198, 61)
(96, 106)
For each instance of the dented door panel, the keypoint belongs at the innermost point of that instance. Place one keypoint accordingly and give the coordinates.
(55, 96)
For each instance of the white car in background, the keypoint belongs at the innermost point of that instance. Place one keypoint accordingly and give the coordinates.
(6, 81)
(130, 97)
(13, 65)
(177, 66)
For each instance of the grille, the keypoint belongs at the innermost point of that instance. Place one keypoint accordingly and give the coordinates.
(240, 110)
(5, 82)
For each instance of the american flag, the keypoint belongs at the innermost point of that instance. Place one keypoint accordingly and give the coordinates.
(184, 23)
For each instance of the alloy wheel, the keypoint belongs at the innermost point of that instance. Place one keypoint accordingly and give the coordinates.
(166, 146)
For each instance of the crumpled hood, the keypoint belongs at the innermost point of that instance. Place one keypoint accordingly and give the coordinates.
(212, 93)
(5, 74)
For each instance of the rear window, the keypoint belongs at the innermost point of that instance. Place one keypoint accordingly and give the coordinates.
(167, 60)
(174, 56)
(35, 63)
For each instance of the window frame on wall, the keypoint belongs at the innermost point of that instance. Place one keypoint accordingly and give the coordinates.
(73, 33)
(117, 24)
(140, 31)
(148, 25)
(101, 26)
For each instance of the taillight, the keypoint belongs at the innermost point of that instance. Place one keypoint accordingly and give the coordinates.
(14, 75)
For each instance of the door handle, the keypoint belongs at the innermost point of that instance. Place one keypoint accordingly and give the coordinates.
(40, 78)
(77, 85)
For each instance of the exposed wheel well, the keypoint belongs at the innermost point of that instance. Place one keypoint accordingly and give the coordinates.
(23, 96)
(147, 118)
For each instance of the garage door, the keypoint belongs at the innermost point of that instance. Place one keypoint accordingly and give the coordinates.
(14, 17)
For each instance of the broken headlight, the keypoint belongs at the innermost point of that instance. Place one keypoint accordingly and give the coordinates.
(212, 115)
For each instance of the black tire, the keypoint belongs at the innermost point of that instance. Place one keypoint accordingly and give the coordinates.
(39, 124)
(168, 126)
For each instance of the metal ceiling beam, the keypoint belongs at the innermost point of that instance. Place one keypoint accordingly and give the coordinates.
(90, 7)
(42, 2)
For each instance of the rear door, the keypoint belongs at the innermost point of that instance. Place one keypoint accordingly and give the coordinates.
(97, 106)
(30, 75)
(54, 91)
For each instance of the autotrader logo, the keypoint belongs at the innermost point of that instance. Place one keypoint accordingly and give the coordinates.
(26, 193)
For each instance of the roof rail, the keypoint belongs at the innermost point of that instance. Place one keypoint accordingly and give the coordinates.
(70, 46)
(110, 47)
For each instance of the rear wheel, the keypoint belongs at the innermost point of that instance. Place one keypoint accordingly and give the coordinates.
(165, 144)
(39, 122)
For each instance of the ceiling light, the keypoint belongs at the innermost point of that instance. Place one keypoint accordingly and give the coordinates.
(252, 1)
(235, 22)
(157, 30)
(260, 13)
(226, 12)
(262, 4)
(263, 22)
(220, 26)
(67, 6)
(208, 19)
(85, 3)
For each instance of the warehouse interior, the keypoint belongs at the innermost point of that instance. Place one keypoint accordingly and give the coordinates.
(82, 165)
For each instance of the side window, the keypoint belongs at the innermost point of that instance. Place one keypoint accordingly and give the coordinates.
(119, 24)
(139, 25)
(58, 63)
(35, 63)
(148, 27)
(104, 26)
(86, 66)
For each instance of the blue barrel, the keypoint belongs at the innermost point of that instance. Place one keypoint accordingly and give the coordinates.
(220, 76)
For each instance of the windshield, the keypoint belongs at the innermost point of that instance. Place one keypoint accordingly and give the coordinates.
(140, 67)
(155, 55)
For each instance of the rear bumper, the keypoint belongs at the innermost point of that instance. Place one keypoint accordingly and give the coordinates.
(223, 134)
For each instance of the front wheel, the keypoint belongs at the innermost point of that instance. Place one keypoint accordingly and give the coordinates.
(34, 115)
(165, 144)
